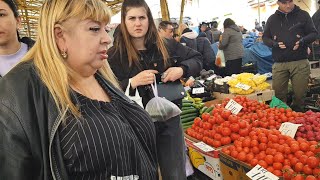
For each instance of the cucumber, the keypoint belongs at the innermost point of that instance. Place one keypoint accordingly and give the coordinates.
(186, 101)
(186, 108)
(186, 104)
(189, 111)
(187, 119)
(202, 110)
(189, 115)
(187, 123)
(209, 110)
(186, 127)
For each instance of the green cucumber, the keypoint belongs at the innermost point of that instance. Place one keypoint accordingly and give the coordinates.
(189, 115)
(189, 111)
(209, 110)
(187, 123)
(186, 108)
(186, 101)
(187, 119)
(186, 104)
(202, 110)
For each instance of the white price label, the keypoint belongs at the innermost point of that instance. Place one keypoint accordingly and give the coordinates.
(187, 88)
(260, 173)
(289, 129)
(198, 90)
(204, 147)
(211, 77)
(233, 106)
(243, 86)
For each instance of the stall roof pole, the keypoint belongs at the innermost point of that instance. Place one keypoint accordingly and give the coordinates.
(164, 10)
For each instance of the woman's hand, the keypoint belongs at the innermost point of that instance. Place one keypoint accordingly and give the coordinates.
(143, 78)
(172, 74)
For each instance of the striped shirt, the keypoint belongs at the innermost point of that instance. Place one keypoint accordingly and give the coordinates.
(113, 140)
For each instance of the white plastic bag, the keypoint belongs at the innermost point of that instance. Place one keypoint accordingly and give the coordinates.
(136, 97)
(220, 59)
(161, 109)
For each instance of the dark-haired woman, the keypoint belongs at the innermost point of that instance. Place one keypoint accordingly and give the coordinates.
(140, 54)
(12, 48)
(231, 44)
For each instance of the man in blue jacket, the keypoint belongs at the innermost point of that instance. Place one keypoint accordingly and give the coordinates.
(288, 31)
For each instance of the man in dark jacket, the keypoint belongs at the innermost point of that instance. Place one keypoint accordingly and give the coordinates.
(288, 31)
(200, 44)
(316, 21)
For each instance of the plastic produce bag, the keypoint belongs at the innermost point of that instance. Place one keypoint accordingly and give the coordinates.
(220, 60)
(275, 102)
(161, 109)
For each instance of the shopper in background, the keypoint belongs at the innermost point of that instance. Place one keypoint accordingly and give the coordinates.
(141, 55)
(289, 31)
(215, 32)
(62, 115)
(231, 44)
(204, 28)
(200, 44)
(12, 48)
(316, 21)
(166, 29)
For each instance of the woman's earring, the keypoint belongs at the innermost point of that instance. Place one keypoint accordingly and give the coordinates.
(64, 55)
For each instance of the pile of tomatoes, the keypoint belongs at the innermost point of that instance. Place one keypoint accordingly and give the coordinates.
(279, 154)
(219, 129)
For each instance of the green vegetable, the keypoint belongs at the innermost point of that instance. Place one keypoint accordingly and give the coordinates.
(189, 115)
(187, 119)
(203, 109)
(209, 110)
(189, 111)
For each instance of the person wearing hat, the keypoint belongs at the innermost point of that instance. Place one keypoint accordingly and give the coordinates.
(316, 21)
(289, 31)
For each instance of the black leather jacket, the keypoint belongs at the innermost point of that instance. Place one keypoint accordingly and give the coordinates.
(179, 55)
(29, 120)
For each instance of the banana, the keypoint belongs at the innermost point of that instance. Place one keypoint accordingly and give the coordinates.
(196, 158)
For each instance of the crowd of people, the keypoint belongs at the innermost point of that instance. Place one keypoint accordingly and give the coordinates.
(63, 111)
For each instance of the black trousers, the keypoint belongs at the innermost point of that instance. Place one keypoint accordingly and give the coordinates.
(171, 149)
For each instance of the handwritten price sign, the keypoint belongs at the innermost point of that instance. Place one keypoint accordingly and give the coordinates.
(234, 107)
(204, 147)
(289, 129)
(260, 173)
(243, 86)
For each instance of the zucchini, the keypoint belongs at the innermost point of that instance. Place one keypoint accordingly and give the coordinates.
(188, 119)
(189, 111)
(189, 115)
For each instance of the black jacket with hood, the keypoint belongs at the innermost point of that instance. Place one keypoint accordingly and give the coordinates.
(200, 44)
(179, 56)
(29, 120)
(289, 28)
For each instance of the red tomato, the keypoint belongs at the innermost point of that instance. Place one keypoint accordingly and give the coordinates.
(205, 116)
(226, 131)
(197, 121)
(225, 140)
(298, 167)
(313, 162)
(307, 170)
(235, 127)
(310, 178)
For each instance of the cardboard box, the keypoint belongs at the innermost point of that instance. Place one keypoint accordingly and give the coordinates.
(265, 95)
(233, 169)
(206, 162)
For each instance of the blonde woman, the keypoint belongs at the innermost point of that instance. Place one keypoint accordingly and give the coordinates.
(62, 114)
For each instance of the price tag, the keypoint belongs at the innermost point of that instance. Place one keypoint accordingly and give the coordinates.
(233, 106)
(203, 146)
(260, 173)
(198, 90)
(243, 86)
(201, 81)
(187, 88)
(211, 77)
(289, 129)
